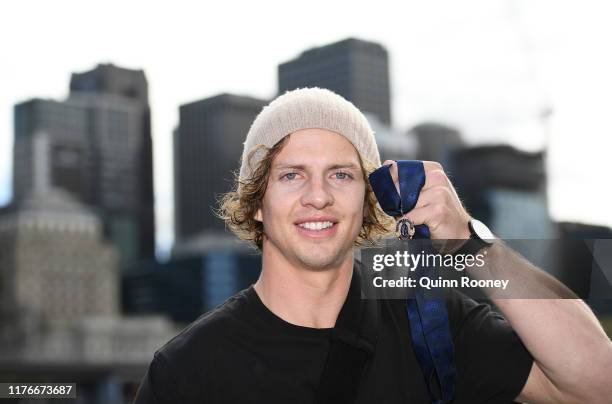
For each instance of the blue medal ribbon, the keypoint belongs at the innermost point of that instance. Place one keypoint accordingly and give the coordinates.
(429, 325)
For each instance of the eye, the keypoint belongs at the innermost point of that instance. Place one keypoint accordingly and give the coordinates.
(289, 176)
(340, 175)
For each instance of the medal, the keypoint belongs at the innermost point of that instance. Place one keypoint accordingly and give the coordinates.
(397, 199)
(405, 229)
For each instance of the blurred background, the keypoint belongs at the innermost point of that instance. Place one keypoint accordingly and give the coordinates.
(121, 124)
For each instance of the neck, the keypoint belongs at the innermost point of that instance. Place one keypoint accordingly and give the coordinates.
(304, 297)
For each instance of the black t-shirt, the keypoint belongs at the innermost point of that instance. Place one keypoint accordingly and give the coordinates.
(241, 352)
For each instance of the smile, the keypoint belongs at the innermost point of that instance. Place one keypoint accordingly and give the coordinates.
(323, 229)
(316, 225)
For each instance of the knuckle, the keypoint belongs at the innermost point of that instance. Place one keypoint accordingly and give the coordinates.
(438, 209)
(437, 176)
(438, 195)
(441, 192)
(436, 165)
(434, 225)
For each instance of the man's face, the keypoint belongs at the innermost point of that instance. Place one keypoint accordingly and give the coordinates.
(315, 181)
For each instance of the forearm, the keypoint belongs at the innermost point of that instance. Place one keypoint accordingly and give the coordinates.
(559, 330)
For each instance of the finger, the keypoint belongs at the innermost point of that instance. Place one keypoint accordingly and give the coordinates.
(435, 178)
(427, 215)
(435, 175)
(393, 172)
(436, 194)
(432, 165)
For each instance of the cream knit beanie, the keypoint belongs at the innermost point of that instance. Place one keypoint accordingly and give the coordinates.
(307, 108)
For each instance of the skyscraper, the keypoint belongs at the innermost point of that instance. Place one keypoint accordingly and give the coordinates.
(207, 150)
(356, 69)
(99, 150)
(436, 141)
(53, 253)
(505, 188)
(110, 79)
(59, 298)
(113, 81)
(59, 285)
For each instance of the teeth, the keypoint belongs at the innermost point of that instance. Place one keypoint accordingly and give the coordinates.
(316, 225)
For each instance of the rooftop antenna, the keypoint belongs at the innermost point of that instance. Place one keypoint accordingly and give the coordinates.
(545, 111)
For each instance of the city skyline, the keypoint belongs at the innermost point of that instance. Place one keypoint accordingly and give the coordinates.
(98, 148)
(493, 89)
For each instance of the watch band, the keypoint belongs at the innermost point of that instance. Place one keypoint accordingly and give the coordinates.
(474, 243)
(471, 246)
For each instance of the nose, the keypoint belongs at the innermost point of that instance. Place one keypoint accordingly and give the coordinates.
(317, 194)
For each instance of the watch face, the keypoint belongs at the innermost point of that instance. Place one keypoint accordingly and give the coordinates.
(482, 231)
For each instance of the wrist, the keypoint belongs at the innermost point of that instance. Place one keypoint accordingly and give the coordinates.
(465, 232)
(478, 237)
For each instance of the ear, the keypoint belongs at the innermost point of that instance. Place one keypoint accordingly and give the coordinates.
(259, 215)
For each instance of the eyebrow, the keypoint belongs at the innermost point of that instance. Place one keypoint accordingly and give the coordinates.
(282, 166)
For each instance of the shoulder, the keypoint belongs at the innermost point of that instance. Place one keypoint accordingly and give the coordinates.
(194, 349)
(183, 368)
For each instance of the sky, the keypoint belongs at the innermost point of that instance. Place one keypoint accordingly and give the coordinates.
(488, 67)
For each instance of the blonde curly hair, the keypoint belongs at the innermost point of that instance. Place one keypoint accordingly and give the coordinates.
(239, 206)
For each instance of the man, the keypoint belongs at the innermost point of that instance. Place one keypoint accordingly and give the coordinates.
(304, 200)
